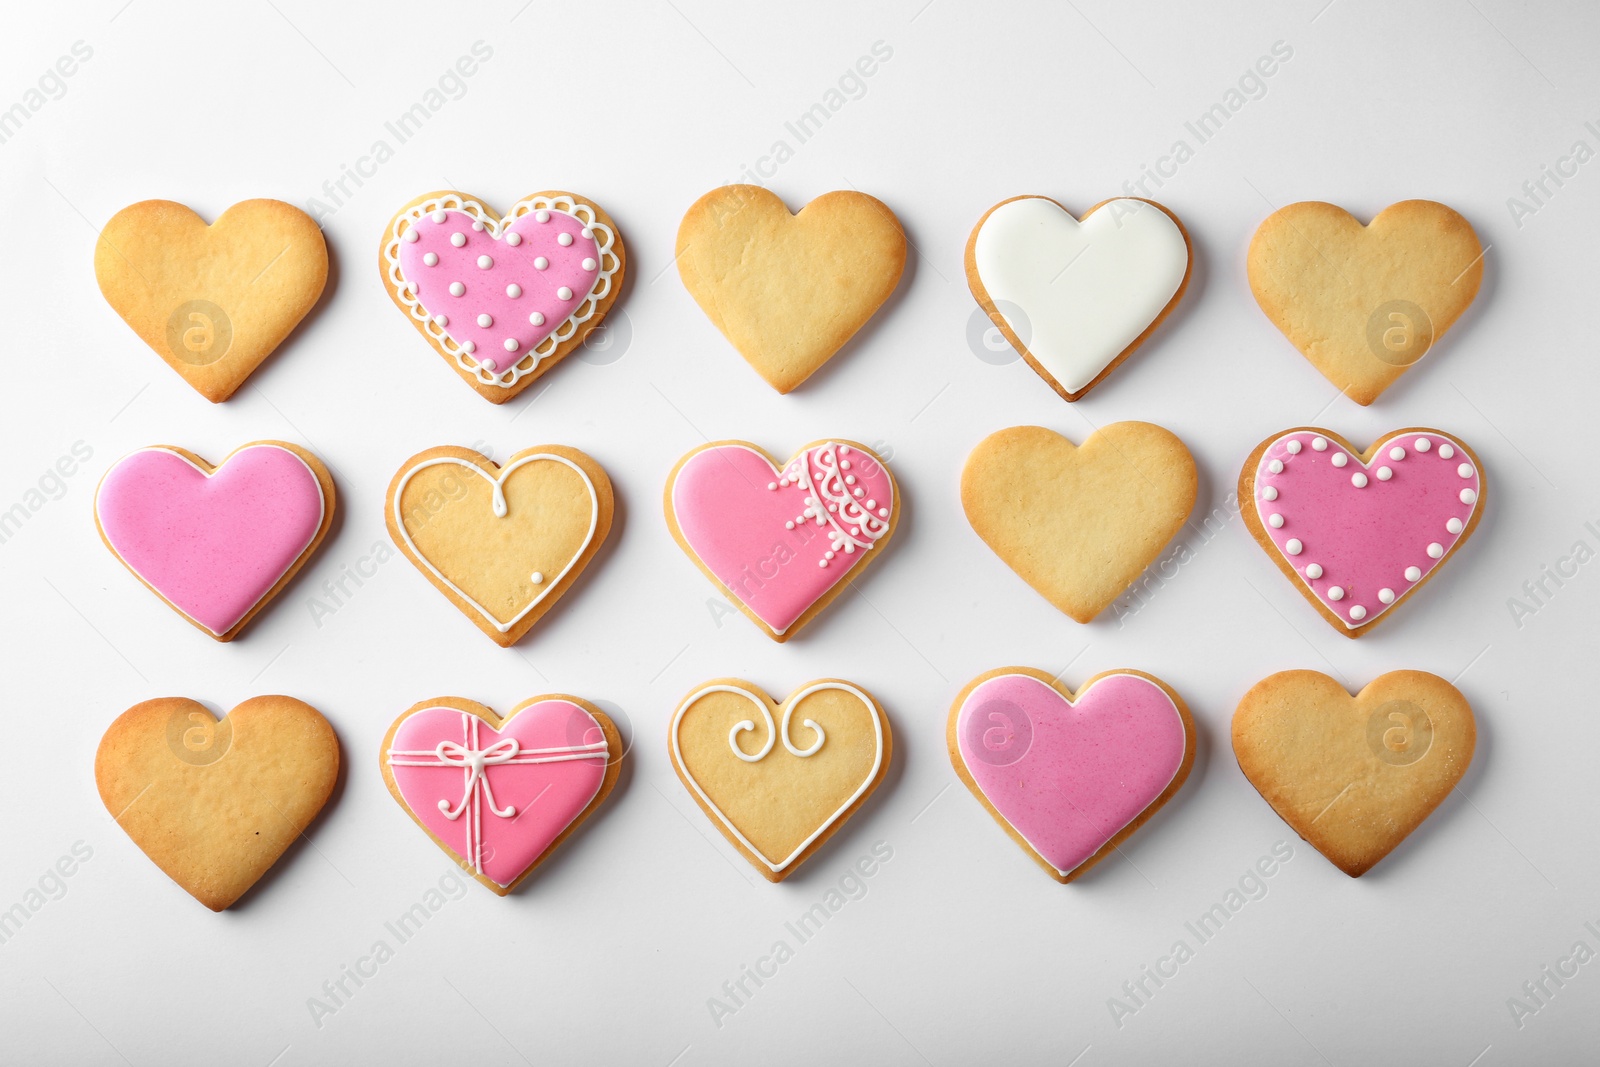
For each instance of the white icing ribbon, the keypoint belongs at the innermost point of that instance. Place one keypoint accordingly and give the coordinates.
(475, 762)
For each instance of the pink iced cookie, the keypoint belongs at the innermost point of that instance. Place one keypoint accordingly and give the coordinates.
(1358, 532)
(499, 794)
(780, 541)
(502, 298)
(216, 543)
(1070, 777)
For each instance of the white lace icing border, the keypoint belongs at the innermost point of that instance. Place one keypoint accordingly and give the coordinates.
(610, 263)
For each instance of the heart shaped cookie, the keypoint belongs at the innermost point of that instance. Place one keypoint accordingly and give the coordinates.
(215, 543)
(1079, 523)
(1358, 532)
(1076, 296)
(778, 803)
(1354, 775)
(1364, 303)
(502, 543)
(214, 802)
(503, 299)
(780, 541)
(789, 290)
(1070, 776)
(212, 301)
(499, 794)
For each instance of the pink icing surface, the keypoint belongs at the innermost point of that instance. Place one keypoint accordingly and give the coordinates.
(213, 546)
(748, 523)
(486, 291)
(544, 797)
(1364, 538)
(1068, 777)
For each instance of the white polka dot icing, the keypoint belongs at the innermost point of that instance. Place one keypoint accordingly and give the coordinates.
(1374, 531)
(538, 269)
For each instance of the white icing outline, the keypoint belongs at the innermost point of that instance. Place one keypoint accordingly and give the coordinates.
(835, 534)
(1380, 456)
(322, 516)
(789, 706)
(1071, 705)
(399, 286)
(498, 505)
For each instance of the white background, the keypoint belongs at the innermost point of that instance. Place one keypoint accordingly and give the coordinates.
(961, 947)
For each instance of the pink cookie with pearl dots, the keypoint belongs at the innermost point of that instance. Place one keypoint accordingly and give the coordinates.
(1359, 532)
(503, 298)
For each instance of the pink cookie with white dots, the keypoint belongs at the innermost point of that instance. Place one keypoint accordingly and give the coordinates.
(1358, 532)
(503, 299)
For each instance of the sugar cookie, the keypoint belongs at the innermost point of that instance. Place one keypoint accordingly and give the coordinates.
(1070, 776)
(1354, 775)
(216, 543)
(502, 299)
(777, 804)
(780, 541)
(503, 543)
(212, 301)
(789, 290)
(214, 802)
(1076, 297)
(498, 795)
(1364, 303)
(1079, 523)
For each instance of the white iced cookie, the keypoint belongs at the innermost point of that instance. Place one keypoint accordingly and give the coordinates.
(1076, 297)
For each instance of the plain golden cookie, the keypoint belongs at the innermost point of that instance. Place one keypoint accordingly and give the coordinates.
(789, 290)
(1354, 775)
(215, 802)
(212, 301)
(1079, 523)
(1365, 303)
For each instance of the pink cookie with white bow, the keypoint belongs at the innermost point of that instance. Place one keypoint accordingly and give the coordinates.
(498, 795)
(503, 298)
(1070, 776)
(1359, 532)
(780, 540)
(216, 543)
